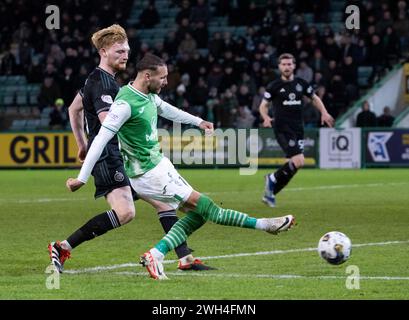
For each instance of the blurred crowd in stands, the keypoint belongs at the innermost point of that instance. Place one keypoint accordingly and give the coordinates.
(216, 75)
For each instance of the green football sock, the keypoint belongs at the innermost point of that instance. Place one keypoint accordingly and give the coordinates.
(180, 231)
(227, 217)
(206, 210)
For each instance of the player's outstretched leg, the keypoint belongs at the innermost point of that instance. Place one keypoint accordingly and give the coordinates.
(206, 209)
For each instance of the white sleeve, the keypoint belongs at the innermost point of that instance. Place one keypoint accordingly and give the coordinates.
(172, 113)
(118, 114)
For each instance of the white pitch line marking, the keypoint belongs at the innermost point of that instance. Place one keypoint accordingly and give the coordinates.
(41, 200)
(126, 265)
(270, 276)
(327, 187)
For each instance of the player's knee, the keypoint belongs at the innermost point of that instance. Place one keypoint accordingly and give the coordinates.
(125, 215)
(298, 162)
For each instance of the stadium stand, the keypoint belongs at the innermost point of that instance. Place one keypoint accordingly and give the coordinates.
(223, 45)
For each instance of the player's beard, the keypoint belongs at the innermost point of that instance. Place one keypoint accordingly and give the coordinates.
(118, 66)
(287, 74)
(154, 89)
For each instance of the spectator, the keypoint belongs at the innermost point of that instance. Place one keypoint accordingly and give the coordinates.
(244, 117)
(200, 12)
(149, 16)
(188, 45)
(386, 119)
(184, 12)
(348, 48)
(173, 77)
(376, 57)
(336, 91)
(58, 115)
(253, 15)
(385, 22)
(68, 82)
(200, 93)
(213, 105)
(216, 44)
(184, 28)
(170, 44)
(215, 77)
(401, 25)
(350, 77)
(366, 118)
(35, 71)
(244, 97)
(8, 64)
(326, 99)
(331, 50)
(305, 72)
(226, 110)
(201, 35)
(318, 63)
(391, 43)
(49, 93)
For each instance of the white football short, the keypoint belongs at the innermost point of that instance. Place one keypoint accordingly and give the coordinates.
(163, 183)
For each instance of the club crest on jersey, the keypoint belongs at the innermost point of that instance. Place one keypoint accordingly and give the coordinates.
(298, 87)
(119, 176)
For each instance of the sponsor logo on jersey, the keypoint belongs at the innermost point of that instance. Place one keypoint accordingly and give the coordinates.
(267, 95)
(107, 99)
(154, 133)
(298, 87)
(282, 90)
(291, 101)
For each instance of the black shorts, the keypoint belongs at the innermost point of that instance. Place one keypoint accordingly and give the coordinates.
(291, 140)
(109, 174)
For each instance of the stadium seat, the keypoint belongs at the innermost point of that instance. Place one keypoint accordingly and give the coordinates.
(18, 124)
(32, 124)
(44, 123)
(21, 98)
(364, 72)
(8, 99)
(33, 98)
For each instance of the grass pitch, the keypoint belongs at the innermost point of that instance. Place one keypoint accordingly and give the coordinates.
(370, 206)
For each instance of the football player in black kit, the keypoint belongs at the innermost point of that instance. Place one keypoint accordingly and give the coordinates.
(94, 100)
(286, 94)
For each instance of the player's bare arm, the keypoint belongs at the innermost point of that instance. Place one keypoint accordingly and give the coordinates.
(325, 116)
(76, 112)
(263, 108)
